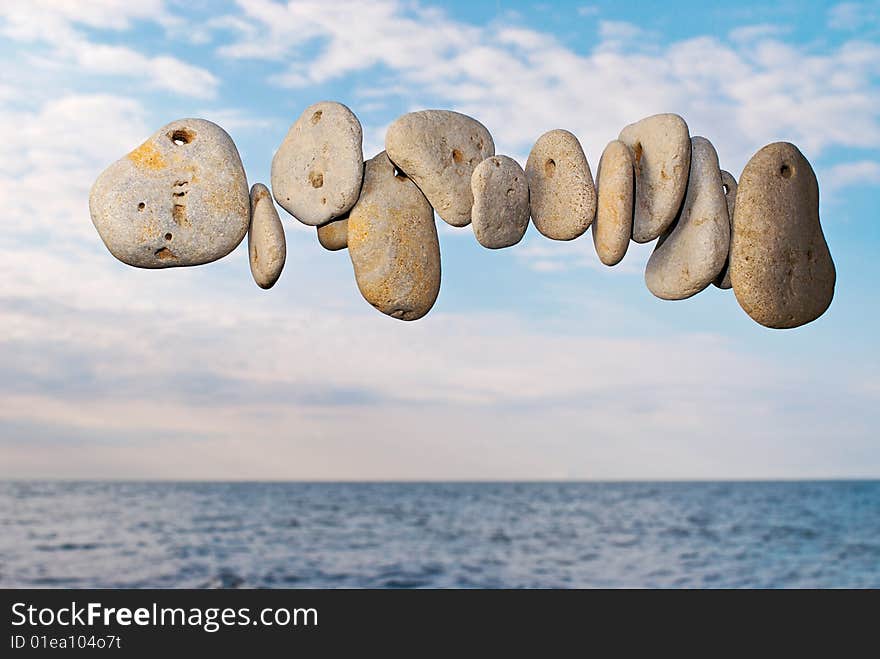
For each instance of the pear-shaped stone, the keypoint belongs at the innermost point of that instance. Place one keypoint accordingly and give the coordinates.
(267, 247)
(333, 236)
(501, 202)
(180, 198)
(728, 182)
(317, 170)
(392, 242)
(694, 250)
(612, 229)
(439, 150)
(561, 191)
(661, 150)
(780, 266)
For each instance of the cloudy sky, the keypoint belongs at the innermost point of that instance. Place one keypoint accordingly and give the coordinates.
(537, 362)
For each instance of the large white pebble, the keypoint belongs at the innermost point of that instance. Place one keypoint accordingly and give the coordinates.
(612, 230)
(501, 202)
(661, 150)
(691, 255)
(318, 169)
(267, 247)
(180, 198)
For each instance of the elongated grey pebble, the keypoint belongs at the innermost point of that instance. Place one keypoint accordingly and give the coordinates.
(692, 253)
(780, 266)
(333, 236)
(439, 150)
(267, 247)
(729, 184)
(393, 245)
(318, 169)
(612, 229)
(661, 151)
(180, 198)
(501, 202)
(562, 194)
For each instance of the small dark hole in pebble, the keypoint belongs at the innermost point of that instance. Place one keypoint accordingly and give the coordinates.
(168, 236)
(316, 117)
(785, 171)
(316, 179)
(725, 188)
(182, 136)
(141, 206)
(550, 168)
(457, 155)
(323, 200)
(399, 174)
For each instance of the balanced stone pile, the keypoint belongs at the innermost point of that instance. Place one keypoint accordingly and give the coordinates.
(181, 198)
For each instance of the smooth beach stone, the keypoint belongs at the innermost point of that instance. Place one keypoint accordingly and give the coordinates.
(729, 185)
(267, 247)
(318, 169)
(612, 229)
(661, 150)
(180, 198)
(780, 266)
(501, 202)
(692, 253)
(392, 242)
(439, 150)
(562, 194)
(334, 235)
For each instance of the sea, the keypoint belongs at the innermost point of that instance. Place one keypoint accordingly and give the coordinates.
(823, 534)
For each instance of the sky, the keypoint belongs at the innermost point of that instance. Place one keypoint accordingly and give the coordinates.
(537, 362)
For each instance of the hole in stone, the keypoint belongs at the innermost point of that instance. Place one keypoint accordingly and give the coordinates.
(399, 174)
(785, 171)
(316, 179)
(323, 200)
(457, 156)
(510, 192)
(168, 236)
(637, 152)
(497, 163)
(725, 188)
(182, 136)
(316, 117)
(141, 206)
(550, 167)
(178, 214)
(164, 253)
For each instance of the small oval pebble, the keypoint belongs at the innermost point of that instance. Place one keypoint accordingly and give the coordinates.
(691, 255)
(318, 169)
(334, 235)
(612, 229)
(267, 247)
(729, 185)
(180, 198)
(439, 150)
(501, 202)
(780, 266)
(661, 150)
(392, 242)
(562, 194)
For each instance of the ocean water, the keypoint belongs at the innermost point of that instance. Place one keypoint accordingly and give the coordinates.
(404, 535)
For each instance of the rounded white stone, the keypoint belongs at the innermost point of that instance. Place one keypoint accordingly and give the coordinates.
(267, 247)
(501, 202)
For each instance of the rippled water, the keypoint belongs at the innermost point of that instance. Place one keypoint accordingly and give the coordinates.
(812, 534)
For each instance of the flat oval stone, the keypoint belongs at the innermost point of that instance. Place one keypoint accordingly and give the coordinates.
(180, 198)
(612, 229)
(439, 150)
(318, 169)
(393, 245)
(334, 235)
(267, 247)
(661, 150)
(729, 185)
(780, 266)
(501, 202)
(562, 194)
(691, 254)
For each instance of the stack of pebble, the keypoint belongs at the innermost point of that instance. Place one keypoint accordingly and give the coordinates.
(181, 198)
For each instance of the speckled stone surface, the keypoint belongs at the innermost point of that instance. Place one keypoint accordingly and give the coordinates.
(318, 169)
(561, 189)
(661, 150)
(501, 202)
(693, 252)
(393, 245)
(780, 267)
(180, 198)
(333, 236)
(439, 150)
(729, 183)
(267, 247)
(612, 229)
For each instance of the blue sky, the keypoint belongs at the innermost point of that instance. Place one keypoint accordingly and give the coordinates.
(537, 361)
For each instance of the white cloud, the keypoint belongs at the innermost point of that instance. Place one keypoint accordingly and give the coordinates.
(852, 16)
(847, 174)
